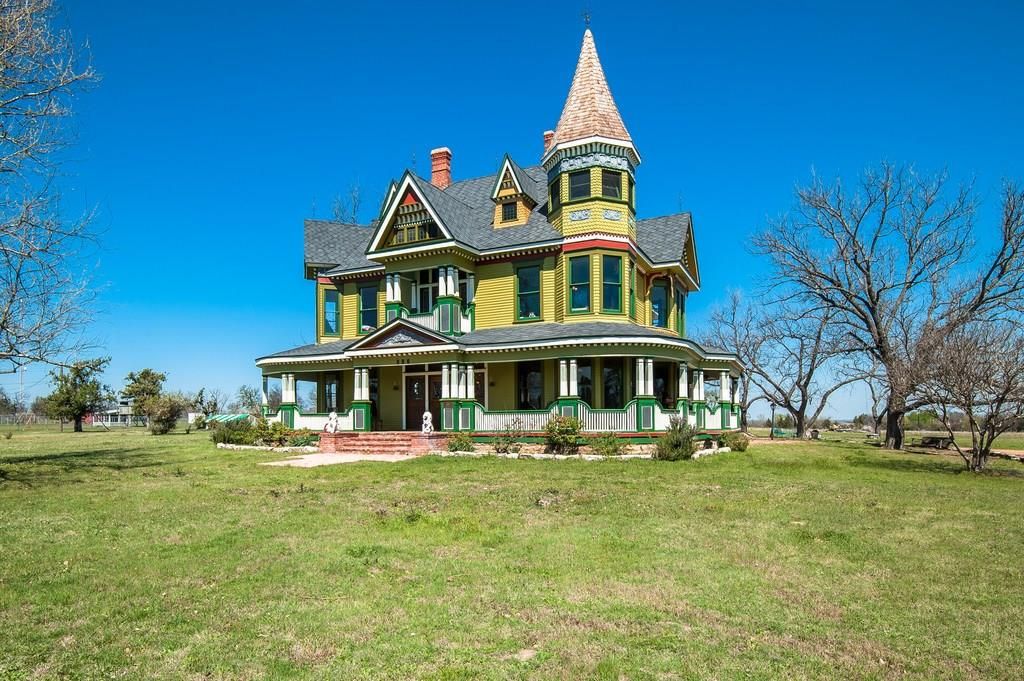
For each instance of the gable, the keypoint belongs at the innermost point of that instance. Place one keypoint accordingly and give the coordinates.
(409, 219)
(399, 333)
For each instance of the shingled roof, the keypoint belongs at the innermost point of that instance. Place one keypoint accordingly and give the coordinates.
(589, 109)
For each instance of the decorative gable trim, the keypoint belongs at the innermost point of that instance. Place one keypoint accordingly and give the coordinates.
(397, 334)
(405, 186)
(499, 179)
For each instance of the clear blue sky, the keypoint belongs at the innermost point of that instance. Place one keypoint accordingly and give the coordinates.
(218, 127)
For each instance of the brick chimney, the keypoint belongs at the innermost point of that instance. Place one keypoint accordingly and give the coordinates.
(548, 136)
(441, 167)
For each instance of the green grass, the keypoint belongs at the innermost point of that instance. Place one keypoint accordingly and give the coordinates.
(127, 555)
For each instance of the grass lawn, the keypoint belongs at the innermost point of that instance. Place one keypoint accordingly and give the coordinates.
(132, 556)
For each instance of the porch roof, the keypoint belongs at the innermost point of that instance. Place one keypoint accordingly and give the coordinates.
(311, 350)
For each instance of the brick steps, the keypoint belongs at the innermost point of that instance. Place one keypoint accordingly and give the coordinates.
(382, 442)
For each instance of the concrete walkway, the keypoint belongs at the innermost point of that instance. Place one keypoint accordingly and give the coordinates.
(322, 459)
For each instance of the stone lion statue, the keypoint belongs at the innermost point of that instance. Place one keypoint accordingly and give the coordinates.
(332, 424)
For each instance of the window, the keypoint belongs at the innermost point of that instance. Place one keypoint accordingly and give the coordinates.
(556, 194)
(330, 396)
(632, 191)
(632, 288)
(659, 304)
(612, 382)
(585, 381)
(367, 308)
(508, 211)
(425, 290)
(528, 292)
(611, 184)
(611, 283)
(579, 284)
(579, 185)
(531, 385)
(332, 313)
(680, 309)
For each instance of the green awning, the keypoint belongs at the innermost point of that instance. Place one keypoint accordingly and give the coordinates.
(224, 418)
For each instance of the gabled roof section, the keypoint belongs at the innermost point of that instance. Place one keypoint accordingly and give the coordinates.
(418, 187)
(589, 109)
(669, 240)
(518, 175)
(399, 333)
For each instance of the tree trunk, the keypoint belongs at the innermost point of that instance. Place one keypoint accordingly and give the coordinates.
(799, 422)
(78, 424)
(894, 428)
(979, 459)
(743, 421)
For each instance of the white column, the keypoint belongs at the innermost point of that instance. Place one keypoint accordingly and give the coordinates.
(442, 281)
(698, 387)
(470, 287)
(726, 391)
(650, 377)
(684, 382)
(388, 289)
(455, 280)
(563, 378)
(288, 388)
(574, 374)
(641, 389)
(446, 386)
(470, 382)
(265, 393)
(462, 382)
(450, 274)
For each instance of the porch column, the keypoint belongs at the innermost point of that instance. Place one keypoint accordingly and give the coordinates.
(461, 384)
(470, 287)
(470, 382)
(446, 386)
(453, 275)
(698, 387)
(442, 281)
(574, 374)
(388, 289)
(649, 371)
(287, 388)
(684, 382)
(726, 387)
(563, 378)
(265, 392)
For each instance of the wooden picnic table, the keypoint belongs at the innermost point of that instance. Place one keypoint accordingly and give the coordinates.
(936, 441)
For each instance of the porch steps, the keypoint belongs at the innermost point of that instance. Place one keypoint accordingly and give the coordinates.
(381, 442)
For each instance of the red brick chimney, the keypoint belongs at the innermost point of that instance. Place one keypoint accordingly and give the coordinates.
(548, 136)
(441, 167)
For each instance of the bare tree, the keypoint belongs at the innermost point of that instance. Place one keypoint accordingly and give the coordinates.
(883, 262)
(979, 374)
(346, 209)
(43, 291)
(736, 325)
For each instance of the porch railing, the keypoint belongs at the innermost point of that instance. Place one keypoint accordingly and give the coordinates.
(605, 420)
(496, 421)
(435, 320)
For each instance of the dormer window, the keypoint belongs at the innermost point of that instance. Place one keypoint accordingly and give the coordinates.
(508, 211)
(579, 185)
(611, 184)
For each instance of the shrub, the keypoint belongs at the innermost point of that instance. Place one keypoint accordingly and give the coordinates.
(8, 434)
(234, 433)
(270, 434)
(737, 442)
(199, 423)
(509, 440)
(677, 442)
(608, 444)
(563, 434)
(461, 442)
(303, 438)
(164, 411)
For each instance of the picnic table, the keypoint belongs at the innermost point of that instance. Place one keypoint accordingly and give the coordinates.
(936, 441)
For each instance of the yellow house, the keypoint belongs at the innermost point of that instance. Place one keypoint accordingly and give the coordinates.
(511, 297)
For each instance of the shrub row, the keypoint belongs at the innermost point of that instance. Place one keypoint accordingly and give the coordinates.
(263, 434)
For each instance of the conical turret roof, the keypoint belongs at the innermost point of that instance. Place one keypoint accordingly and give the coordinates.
(589, 109)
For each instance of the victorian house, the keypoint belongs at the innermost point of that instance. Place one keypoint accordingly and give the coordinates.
(519, 295)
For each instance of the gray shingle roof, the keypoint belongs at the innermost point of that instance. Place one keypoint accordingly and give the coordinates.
(664, 239)
(312, 350)
(337, 243)
(467, 211)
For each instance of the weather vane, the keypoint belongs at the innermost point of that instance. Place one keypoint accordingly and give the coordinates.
(586, 17)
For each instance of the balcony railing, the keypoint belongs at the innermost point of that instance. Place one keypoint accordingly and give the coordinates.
(441, 319)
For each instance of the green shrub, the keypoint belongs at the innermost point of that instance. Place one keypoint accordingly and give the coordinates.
(164, 411)
(461, 442)
(234, 433)
(270, 434)
(199, 423)
(737, 442)
(563, 434)
(303, 438)
(677, 442)
(8, 434)
(608, 444)
(509, 440)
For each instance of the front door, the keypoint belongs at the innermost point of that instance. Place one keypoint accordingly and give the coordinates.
(422, 393)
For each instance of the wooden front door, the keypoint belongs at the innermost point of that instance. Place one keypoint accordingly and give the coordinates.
(422, 393)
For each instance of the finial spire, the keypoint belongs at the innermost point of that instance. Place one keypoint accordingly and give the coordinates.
(586, 17)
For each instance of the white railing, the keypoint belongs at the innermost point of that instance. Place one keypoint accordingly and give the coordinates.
(713, 421)
(315, 422)
(496, 421)
(432, 320)
(608, 420)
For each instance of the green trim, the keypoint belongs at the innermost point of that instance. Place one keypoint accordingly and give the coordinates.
(632, 288)
(604, 307)
(570, 284)
(360, 310)
(540, 287)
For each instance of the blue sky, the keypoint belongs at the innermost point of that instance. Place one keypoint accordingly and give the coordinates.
(218, 127)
